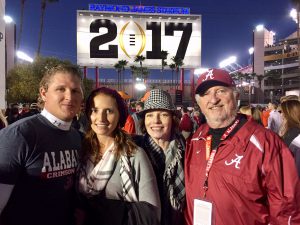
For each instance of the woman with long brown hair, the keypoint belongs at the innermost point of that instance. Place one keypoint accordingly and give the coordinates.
(290, 129)
(117, 184)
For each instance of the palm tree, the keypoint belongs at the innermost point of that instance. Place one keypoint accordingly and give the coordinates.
(178, 63)
(43, 9)
(134, 74)
(259, 79)
(249, 77)
(142, 73)
(133, 70)
(238, 77)
(172, 67)
(122, 64)
(118, 68)
(140, 59)
(163, 55)
(21, 23)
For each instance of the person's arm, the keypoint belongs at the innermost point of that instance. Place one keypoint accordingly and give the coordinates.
(12, 143)
(281, 182)
(146, 182)
(5, 191)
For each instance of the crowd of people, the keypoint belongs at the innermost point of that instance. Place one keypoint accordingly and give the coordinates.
(104, 162)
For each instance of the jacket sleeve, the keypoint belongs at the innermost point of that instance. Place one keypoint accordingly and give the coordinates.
(281, 182)
(145, 181)
(188, 211)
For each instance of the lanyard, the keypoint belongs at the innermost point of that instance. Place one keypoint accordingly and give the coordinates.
(210, 155)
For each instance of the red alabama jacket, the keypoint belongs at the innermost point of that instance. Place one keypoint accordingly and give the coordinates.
(253, 178)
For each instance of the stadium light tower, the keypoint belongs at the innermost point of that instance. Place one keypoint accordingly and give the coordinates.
(227, 62)
(199, 71)
(8, 19)
(259, 27)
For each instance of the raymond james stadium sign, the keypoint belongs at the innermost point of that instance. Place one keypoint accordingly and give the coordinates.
(139, 9)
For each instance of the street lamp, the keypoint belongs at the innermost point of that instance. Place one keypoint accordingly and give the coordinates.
(259, 27)
(295, 16)
(140, 86)
(23, 56)
(251, 50)
(8, 19)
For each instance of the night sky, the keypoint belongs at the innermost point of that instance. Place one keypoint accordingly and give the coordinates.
(226, 25)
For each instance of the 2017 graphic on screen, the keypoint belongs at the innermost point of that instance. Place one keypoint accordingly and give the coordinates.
(155, 27)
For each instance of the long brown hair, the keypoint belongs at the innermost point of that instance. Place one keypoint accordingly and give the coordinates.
(291, 114)
(123, 142)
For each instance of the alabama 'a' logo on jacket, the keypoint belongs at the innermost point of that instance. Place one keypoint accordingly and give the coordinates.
(236, 161)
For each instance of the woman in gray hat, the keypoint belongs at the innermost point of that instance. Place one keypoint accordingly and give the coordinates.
(165, 148)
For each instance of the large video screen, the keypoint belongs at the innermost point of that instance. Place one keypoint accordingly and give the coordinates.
(105, 38)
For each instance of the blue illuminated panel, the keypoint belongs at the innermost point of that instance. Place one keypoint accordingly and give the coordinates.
(139, 9)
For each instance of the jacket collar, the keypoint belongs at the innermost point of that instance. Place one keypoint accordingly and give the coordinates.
(241, 138)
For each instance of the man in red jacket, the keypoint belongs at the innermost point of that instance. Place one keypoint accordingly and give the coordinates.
(236, 171)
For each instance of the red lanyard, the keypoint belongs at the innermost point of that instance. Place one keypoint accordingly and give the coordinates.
(210, 155)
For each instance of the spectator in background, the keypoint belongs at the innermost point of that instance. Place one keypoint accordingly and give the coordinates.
(185, 124)
(82, 120)
(131, 125)
(38, 155)
(13, 114)
(139, 106)
(289, 97)
(256, 114)
(290, 128)
(246, 110)
(117, 184)
(33, 109)
(274, 120)
(165, 148)
(265, 116)
(23, 109)
(3, 121)
(196, 118)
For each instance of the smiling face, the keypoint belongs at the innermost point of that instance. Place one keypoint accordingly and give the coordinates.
(63, 96)
(158, 124)
(219, 106)
(104, 115)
